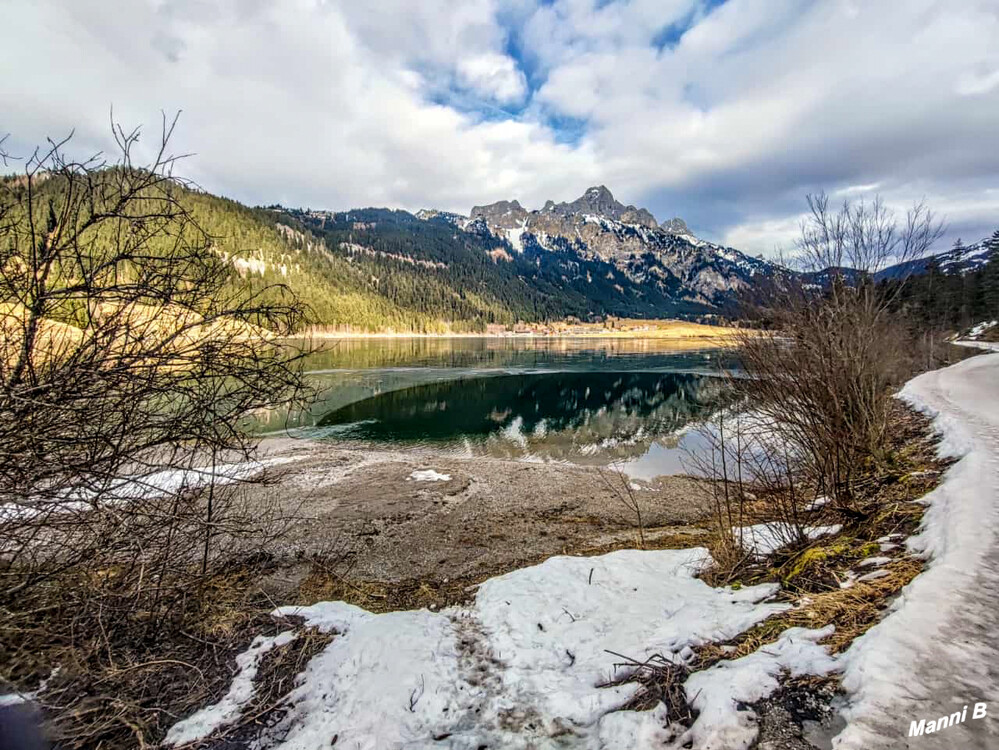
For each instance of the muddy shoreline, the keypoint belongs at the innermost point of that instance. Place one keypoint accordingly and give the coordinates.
(464, 518)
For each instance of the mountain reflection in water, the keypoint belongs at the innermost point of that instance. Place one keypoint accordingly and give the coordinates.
(584, 417)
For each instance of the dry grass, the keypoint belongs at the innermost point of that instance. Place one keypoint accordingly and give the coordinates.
(662, 682)
(668, 329)
(140, 327)
(852, 611)
(125, 688)
(141, 323)
(54, 340)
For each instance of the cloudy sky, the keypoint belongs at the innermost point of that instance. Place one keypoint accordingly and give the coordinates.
(723, 112)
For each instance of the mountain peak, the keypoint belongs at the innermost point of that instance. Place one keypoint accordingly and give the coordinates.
(598, 200)
(676, 225)
(598, 193)
(595, 201)
(505, 214)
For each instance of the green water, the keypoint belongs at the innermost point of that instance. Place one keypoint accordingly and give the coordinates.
(621, 402)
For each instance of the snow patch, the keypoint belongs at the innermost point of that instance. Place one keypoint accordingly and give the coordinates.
(718, 690)
(981, 328)
(170, 481)
(766, 538)
(428, 475)
(14, 699)
(819, 502)
(152, 484)
(875, 562)
(522, 666)
(515, 238)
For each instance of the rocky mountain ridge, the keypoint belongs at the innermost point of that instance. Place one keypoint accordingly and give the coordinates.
(596, 226)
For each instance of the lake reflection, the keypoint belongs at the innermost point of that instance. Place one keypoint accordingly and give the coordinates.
(621, 402)
(596, 417)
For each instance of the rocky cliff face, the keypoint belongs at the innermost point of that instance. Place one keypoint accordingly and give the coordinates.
(598, 201)
(597, 226)
(501, 215)
(676, 225)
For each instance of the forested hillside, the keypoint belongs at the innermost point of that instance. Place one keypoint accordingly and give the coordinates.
(382, 270)
(443, 276)
(264, 251)
(940, 297)
(257, 251)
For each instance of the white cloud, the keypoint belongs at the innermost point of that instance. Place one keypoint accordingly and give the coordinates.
(494, 76)
(338, 103)
(972, 84)
(769, 237)
(285, 101)
(851, 191)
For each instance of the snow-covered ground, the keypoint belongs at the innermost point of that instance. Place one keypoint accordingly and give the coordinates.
(766, 538)
(937, 650)
(151, 484)
(981, 328)
(989, 345)
(429, 475)
(168, 481)
(527, 665)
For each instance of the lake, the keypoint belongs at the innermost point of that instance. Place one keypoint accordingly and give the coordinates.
(626, 403)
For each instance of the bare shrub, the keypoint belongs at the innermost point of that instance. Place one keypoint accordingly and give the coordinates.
(823, 374)
(722, 461)
(755, 476)
(129, 357)
(623, 488)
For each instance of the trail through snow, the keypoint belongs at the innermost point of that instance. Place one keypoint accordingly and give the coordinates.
(937, 651)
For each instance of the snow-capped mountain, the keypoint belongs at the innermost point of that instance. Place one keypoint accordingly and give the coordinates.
(958, 260)
(595, 226)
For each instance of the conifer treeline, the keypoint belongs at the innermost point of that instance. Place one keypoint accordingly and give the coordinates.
(938, 300)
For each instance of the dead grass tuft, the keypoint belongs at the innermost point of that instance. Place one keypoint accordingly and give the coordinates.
(125, 686)
(662, 682)
(276, 677)
(852, 611)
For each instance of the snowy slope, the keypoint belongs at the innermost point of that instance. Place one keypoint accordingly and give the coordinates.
(527, 665)
(958, 260)
(937, 651)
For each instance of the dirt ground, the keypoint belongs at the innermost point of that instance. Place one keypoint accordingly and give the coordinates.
(488, 516)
